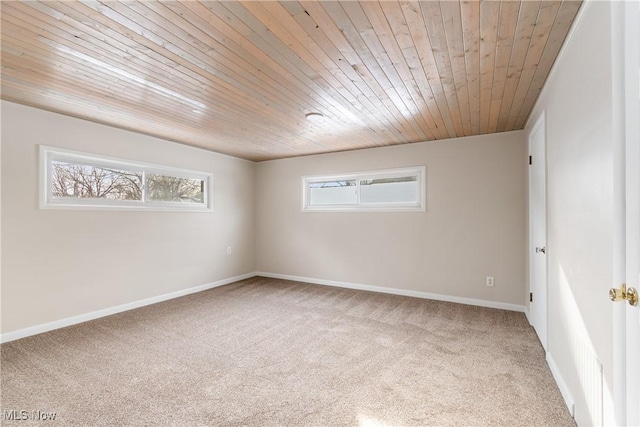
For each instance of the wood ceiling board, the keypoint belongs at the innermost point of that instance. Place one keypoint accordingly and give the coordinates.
(433, 18)
(427, 63)
(489, 19)
(546, 15)
(383, 21)
(364, 85)
(527, 18)
(355, 91)
(561, 25)
(239, 77)
(470, 12)
(508, 21)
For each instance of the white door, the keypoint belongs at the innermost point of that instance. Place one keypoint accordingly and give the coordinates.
(626, 332)
(632, 124)
(538, 230)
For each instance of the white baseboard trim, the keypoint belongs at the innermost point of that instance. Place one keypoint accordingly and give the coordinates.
(562, 385)
(394, 291)
(57, 324)
(526, 314)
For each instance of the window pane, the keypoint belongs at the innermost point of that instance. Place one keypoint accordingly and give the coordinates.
(341, 192)
(167, 188)
(389, 190)
(72, 180)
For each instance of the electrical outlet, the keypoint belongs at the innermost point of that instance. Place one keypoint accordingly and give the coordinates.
(490, 281)
(229, 250)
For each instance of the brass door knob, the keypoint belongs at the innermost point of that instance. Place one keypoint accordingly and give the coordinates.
(616, 294)
(624, 294)
(632, 297)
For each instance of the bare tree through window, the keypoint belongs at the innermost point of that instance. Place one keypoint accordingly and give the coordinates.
(74, 180)
(84, 181)
(174, 189)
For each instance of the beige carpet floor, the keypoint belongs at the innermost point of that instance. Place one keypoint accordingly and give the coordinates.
(265, 352)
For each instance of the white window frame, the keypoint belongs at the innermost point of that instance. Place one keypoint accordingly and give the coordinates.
(49, 154)
(420, 206)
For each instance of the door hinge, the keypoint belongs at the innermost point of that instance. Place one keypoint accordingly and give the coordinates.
(529, 159)
(530, 296)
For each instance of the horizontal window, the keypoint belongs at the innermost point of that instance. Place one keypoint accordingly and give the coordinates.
(74, 180)
(382, 190)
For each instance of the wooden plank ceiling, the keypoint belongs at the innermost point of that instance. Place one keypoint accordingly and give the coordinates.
(240, 77)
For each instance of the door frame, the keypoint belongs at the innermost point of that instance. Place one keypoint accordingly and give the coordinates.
(540, 125)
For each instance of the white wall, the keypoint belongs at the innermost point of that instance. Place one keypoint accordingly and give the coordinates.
(58, 264)
(474, 225)
(580, 129)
